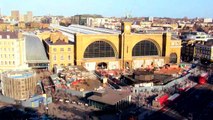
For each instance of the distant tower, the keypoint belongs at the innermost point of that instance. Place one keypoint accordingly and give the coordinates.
(15, 15)
(29, 16)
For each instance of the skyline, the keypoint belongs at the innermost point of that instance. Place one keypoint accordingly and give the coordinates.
(110, 8)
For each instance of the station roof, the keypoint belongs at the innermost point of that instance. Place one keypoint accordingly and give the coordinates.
(35, 51)
(109, 96)
(85, 30)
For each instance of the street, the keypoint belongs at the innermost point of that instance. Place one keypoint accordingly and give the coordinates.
(189, 106)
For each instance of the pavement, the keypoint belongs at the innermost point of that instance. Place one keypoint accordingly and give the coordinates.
(63, 110)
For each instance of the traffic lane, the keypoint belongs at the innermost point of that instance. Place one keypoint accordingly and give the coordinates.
(186, 102)
(190, 103)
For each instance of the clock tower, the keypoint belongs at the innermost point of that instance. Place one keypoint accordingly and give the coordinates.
(126, 27)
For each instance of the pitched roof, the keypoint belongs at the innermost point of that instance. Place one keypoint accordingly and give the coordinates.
(110, 96)
(58, 42)
(5, 34)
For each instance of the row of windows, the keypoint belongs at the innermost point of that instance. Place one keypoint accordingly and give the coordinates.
(6, 49)
(7, 56)
(62, 58)
(203, 48)
(203, 56)
(69, 64)
(6, 43)
(7, 62)
(61, 49)
(175, 43)
(204, 52)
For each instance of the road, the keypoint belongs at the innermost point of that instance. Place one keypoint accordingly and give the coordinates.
(188, 106)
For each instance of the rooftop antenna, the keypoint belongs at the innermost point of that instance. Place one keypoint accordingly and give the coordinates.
(128, 14)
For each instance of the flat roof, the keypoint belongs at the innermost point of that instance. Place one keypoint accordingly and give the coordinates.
(110, 96)
(58, 42)
(20, 76)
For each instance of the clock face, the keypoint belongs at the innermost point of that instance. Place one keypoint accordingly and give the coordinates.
(127, 27)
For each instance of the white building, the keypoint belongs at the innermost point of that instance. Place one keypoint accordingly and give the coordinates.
(207, 20)
(12, 51)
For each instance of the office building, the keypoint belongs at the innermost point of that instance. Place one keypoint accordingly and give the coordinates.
(15, 15)
(12, 51)
(19, 85)
(204, 51)
(28, 17)
(188, 50)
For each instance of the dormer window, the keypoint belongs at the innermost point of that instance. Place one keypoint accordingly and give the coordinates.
(8, 36)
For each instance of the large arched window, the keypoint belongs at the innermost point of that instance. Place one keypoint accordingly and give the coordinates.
(173, 58)
(99, 49)
(144, 48)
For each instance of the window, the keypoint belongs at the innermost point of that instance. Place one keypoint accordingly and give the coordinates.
(54, 58)
(54, 49)
(13, 62)
(62, 57)
(99, 49)
(69, 58)
(62, 49)
(69, 49)
(145, 48)
(173, 58)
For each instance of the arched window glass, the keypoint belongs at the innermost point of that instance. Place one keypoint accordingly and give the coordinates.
(145, 48)
(99, 49)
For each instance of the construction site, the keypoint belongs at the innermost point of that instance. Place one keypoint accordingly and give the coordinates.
(76, 80)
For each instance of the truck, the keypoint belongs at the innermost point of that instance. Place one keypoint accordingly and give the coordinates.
(203, 78)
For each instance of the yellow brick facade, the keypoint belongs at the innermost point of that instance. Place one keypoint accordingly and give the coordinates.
(58, 54)
(61, 55)
(6, 27)
(123, 45)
